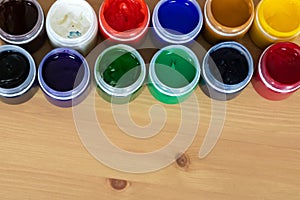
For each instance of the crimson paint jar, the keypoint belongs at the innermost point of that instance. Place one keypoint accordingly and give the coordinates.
(278, 73)
(124, 20)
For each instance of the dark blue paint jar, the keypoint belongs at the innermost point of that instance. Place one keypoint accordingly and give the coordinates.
(64, 77)
(177, 21)
(17, 75)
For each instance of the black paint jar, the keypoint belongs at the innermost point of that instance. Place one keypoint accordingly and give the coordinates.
(22, 23)
(17, 75)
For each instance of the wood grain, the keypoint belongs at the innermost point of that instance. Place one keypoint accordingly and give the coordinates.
(257, 156)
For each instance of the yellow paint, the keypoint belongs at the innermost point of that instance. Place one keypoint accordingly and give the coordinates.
(276, 20)
(280, 18)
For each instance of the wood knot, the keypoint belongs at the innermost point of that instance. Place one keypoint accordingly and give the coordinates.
(183, 161)
(118, 184)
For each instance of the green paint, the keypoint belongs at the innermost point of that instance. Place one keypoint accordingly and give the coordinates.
(119, 68)
(175, 68)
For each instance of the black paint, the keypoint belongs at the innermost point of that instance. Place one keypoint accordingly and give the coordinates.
(14, 69)
(18, 17)
(231, 66)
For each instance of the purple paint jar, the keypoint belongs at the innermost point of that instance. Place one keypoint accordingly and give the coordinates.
(64, 76)
(17, 75)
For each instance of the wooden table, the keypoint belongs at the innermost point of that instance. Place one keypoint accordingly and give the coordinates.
(257, 156)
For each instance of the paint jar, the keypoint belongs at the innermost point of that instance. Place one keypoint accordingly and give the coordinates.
(174, 73)
(227, 69)
(72, 24)
(177, 21)
(227, 19)
(22, 23)
(64, 77)
(275, 21)
(17, 75)
(278, 72)
(120, 73)
(124, 21)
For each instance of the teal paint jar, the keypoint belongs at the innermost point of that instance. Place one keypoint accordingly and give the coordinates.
(119, 72)
(173, 74)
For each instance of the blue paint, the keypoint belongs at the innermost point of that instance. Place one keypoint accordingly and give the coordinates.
(180, 16)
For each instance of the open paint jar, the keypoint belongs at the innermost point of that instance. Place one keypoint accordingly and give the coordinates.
(177, 21)
(72, 24)
(22, 23)
(17, 75)
(120, 73)
(227, 19)
(275, 21)
(227, 69)
(64, 77)
(124, 21)
(173, 74)
(278, 73)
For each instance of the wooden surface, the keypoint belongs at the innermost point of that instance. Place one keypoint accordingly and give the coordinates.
(257, 156)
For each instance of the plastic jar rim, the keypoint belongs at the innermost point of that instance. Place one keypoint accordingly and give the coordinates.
(227, 31)
(125, 91)
(167, 90)
(27, 84)
(267, 79)
(74, 41)
(66, 95)
(127, 36)
(179, 38)
(269, 29)
(216, 84)
(32, 34)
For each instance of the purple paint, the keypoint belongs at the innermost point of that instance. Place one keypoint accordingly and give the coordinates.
(64, 77)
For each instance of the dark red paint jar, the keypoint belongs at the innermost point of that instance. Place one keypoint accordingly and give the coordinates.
(278, 72)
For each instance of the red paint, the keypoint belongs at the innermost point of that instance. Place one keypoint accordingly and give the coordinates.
(278, 74)
(124, 20)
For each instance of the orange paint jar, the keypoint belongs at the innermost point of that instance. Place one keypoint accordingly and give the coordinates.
(227, 19)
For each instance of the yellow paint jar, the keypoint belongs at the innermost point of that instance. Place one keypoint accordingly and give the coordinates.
(275, 21)
(227, 19)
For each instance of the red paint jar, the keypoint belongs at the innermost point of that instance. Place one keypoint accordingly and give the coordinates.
(124, 20)
(278, 73)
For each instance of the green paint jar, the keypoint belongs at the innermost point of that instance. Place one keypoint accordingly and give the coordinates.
(120, 73)
(173, 74)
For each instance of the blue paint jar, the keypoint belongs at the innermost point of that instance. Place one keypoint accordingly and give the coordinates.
(177, 21)
(17, 75)
(64, 77)
(227, 69)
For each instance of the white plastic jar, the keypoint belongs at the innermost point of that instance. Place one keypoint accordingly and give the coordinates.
(72, 24)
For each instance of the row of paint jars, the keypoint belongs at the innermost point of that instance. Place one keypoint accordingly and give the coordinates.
(174, 72)
(74, 24)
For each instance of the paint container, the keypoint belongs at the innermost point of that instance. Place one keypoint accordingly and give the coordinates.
(72, 24)
(278, 72)
(227, 19)
(177, 21)
(17, 75)
(173, 74)
(64, 77)
(227, 69)
(275, 21)
(22, 23)
(120, 72)
(124, 21)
